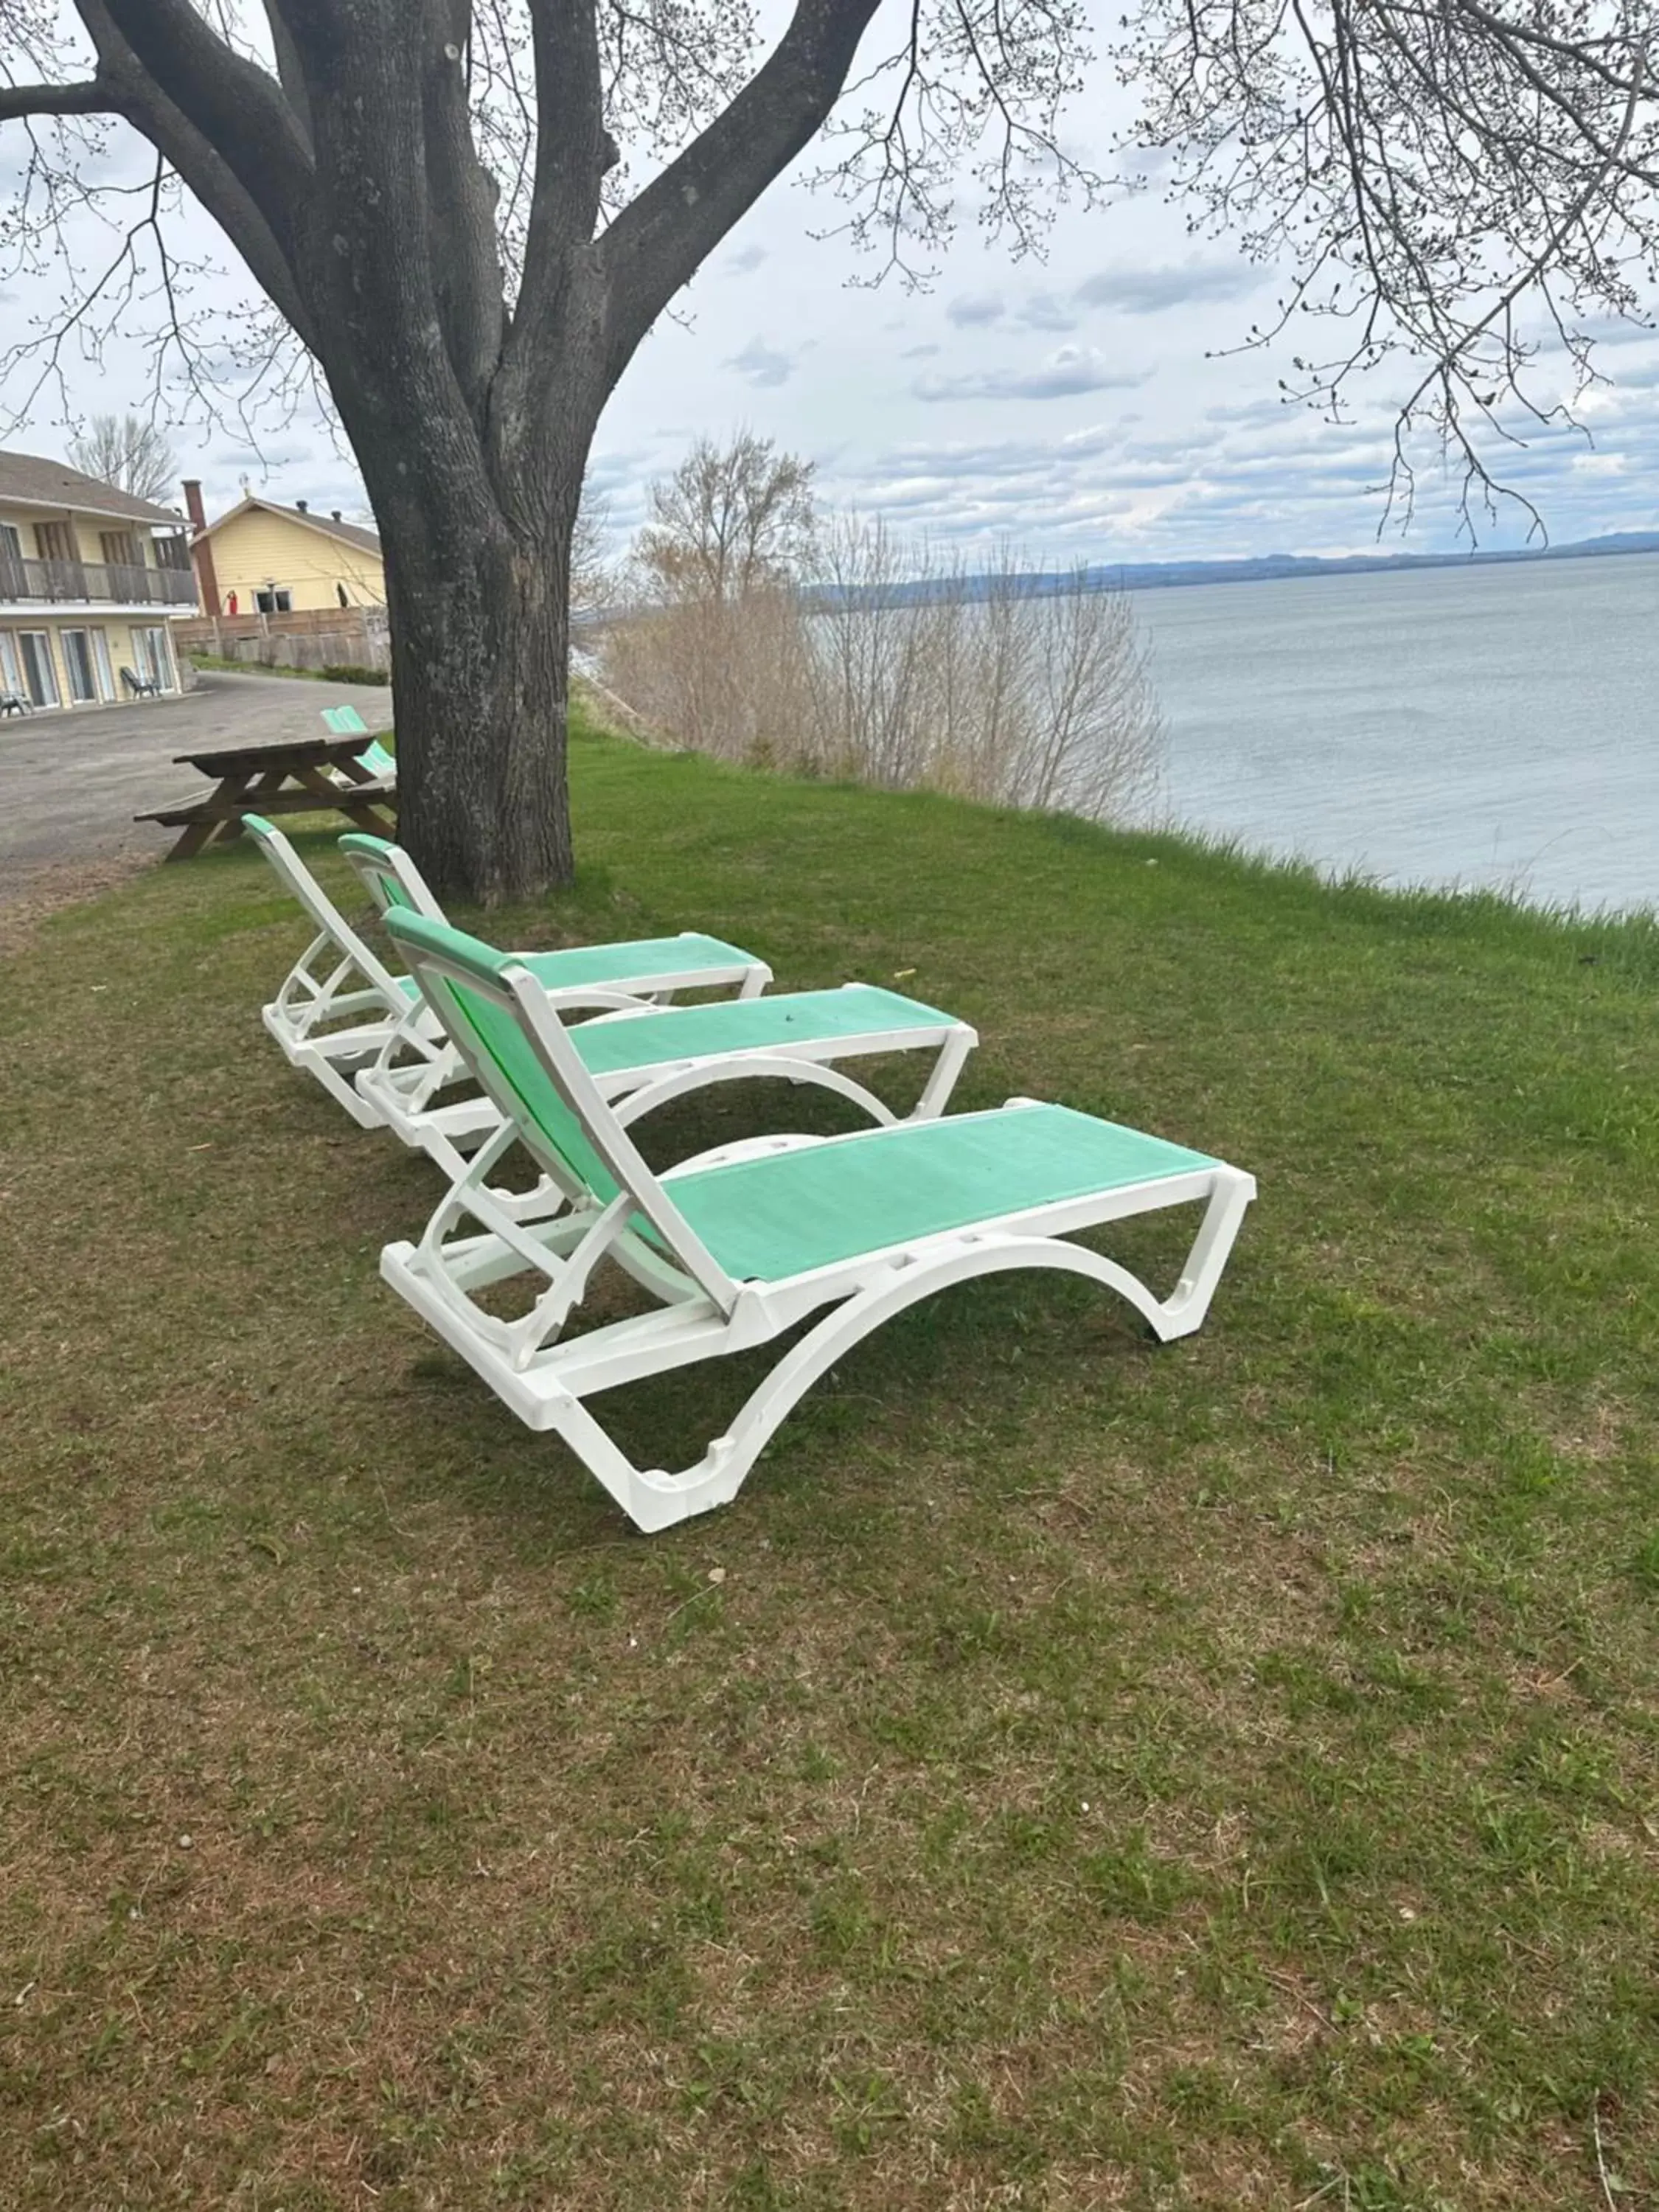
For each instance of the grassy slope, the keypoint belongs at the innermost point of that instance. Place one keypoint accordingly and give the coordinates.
(1210, 1777)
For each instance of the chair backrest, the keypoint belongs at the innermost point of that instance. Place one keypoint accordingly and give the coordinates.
(330, 922)
(345, 721)
(500, 1020)
(375, 757)
(389, 876)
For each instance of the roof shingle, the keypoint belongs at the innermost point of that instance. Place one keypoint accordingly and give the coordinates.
(34, 481)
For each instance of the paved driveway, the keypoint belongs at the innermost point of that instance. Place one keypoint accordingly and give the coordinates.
(71, 783)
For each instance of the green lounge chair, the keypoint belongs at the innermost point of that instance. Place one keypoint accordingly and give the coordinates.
(799, 1035)
(347, 722)
(749, 1242)
(340, 1005)
(391, 1070)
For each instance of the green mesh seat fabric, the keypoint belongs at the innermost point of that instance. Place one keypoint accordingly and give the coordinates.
(786, 1212)
(608, 1047)
(621, 964)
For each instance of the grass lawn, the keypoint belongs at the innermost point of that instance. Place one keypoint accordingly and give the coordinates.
(1074, 1774)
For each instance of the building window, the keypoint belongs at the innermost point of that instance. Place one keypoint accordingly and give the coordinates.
(274, 600)
(121, 549)
(39, 676)
(172, 552)
(152, 651)
(78, 662)
(11, 668)
(11, 563)
(100, 661)
(57, 541)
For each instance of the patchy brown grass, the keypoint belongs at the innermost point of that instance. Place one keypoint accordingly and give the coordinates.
(1212, 1778)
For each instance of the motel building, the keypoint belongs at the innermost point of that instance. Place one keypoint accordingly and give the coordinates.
(89, 577)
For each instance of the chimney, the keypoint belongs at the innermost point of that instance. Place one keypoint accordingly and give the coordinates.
(300, 506)
(200, 551)
(338, 517)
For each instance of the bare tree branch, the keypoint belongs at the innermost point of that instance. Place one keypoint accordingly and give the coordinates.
(1462, 186)
(18, 100)
(235, 106)
(660, 241)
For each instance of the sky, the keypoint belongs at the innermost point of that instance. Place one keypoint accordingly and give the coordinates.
(1090, 405)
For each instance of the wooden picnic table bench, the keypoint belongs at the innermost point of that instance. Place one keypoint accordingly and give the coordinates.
(302, 776)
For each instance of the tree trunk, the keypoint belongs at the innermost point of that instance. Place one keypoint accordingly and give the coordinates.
(480, 664)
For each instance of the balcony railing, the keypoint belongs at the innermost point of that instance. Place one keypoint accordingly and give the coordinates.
(54, 583)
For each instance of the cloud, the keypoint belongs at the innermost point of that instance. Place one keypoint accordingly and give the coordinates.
(1072, 370)
(747, 257)
(913, 353)
(1150, 290)
(977, 310)
(1038, 311)
(1042, 312)
(762, 365)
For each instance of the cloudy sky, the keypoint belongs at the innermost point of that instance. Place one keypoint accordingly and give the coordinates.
(1085, 406)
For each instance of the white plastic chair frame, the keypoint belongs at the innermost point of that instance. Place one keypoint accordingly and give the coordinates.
(339, 1002)
(335, 1020)
(405, 1081)
(561, 1233)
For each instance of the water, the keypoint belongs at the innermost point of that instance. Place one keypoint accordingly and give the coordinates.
(1487, 726)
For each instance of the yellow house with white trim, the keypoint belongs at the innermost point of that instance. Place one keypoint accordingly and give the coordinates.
(89, 577)
(264, 559)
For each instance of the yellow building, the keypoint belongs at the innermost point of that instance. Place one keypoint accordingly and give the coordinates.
(88, 578)
(263, 559)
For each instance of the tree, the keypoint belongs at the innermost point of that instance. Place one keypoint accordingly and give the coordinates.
(728, 520)
(126, 450)
(432, 195)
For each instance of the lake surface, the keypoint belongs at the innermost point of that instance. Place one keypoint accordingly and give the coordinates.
(1485, 727)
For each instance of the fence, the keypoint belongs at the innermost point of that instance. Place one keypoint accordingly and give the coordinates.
(321, 637)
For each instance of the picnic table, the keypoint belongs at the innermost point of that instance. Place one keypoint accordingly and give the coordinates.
(302, 776)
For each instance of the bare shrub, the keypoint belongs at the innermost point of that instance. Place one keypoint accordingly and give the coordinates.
(998, 685)
(890, 665)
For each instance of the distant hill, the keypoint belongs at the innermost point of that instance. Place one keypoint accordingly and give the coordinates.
(1269, 568)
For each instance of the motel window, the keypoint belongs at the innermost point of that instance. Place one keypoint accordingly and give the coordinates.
(57, 541)
(77, 665)
(152, 649)
(274, 600)
(40, 675)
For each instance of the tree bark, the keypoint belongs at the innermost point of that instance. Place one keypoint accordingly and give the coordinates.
(480, 659)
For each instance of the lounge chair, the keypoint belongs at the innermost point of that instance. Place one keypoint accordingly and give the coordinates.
(797, 1035)
(745, 1243)
(389, 1070)
(340, 1004)
(347, 722)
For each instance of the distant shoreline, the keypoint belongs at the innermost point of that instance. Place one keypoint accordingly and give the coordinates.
(1266, 568)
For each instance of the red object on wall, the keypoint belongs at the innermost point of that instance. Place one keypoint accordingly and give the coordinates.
(230, 604)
